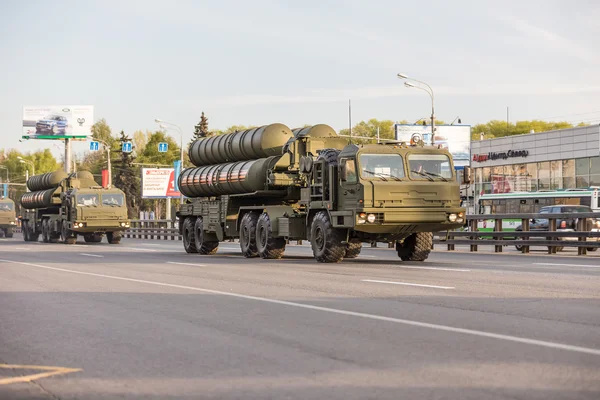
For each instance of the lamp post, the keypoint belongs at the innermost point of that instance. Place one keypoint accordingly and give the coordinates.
(108, 165)
(162, 125)
(24, 161)
(429, 91)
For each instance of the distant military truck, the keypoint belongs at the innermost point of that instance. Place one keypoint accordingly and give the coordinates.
(8, 217)
(60, 207)
(270, 184)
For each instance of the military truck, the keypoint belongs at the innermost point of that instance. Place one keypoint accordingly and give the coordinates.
(61, 206)
(270, 184)
(8, 217)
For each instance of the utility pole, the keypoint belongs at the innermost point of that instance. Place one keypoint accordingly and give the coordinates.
(67, 155)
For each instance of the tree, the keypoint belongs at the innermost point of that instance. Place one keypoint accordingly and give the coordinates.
(150, 154)
(201, 130)
(126, 178)
(498, 128)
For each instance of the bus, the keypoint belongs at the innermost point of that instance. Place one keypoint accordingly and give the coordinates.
(531, 202)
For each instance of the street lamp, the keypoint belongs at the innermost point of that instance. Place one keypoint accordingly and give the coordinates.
(429, 91)
(24, 161)
(162, 124)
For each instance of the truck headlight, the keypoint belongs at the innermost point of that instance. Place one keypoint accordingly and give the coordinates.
(452, 217)
(12, 222)
(371, 218)
(361, 218)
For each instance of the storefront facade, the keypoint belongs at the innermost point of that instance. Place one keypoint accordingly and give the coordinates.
(563, 159)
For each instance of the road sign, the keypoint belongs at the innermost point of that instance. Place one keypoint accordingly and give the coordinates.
(163, 147)
(94, 146)
(127, 147)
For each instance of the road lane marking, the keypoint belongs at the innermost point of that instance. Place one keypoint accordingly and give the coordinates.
(375, 317)
(21, 248)
(91, 255)
(568, 265)
(137, 248)
(51, 371)
(180, 263)
(438, 268)
(408, 284)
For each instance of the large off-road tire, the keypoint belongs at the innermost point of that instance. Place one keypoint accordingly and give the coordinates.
(331, 157)
(268, 247)
(325, 240)
(248, 234)
(113, 237)
(67, 236)
(45, 231)
(202, 246)
(189, 240)
(353, 248)
(416, 247)
(8, 233)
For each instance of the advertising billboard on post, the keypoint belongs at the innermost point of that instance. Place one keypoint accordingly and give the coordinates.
(456, 138)
(158, 183)
(57, 122)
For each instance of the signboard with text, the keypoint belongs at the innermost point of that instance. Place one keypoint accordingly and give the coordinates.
(57, 122)
(158, 183)
(456, 138)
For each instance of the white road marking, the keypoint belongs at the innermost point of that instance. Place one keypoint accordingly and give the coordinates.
(21, 248)
(408, 284)
(568, 265)
(138, 249)
(193, 265)
(446, 328)
(437, 268)
(91, 255)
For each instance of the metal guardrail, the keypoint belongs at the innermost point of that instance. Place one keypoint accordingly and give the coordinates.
(168, 230)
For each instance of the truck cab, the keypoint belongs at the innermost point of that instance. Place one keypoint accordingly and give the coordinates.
(8, 217)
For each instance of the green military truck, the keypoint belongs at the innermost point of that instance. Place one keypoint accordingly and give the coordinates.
(61, 206)
(8, 217)
(270, 184)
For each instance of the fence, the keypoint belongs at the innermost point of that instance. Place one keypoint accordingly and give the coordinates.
(552, 238)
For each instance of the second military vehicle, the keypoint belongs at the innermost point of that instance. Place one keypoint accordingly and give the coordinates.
(60, 207)
(268, 185)
(8, 217)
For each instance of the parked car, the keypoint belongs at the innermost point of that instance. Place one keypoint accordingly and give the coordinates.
(52, 124)
(563, 225)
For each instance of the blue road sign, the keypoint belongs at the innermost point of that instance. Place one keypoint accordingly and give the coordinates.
(127, 147)
(163, 147)
(94, 146)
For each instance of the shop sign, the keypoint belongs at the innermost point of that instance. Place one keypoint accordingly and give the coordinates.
(491, 156)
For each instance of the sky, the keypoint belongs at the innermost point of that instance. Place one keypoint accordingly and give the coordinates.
(259, 62)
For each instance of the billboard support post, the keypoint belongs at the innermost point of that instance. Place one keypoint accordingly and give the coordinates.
(67, 155)
(168, 210)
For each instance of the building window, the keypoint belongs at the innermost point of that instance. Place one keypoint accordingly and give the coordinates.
(568, 174)
(543, 175)
(582, 172)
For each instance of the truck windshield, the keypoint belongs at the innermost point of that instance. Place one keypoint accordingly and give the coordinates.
(429, 166)
(87, 200)
(112, 199)
(6, 206)
(381, 166)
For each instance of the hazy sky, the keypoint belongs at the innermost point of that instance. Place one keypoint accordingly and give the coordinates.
(258, 62)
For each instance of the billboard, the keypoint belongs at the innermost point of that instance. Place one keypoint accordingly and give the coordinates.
(456, 138)
(158, 183)
(57, 122)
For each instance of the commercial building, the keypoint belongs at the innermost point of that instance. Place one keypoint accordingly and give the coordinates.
(562, 159)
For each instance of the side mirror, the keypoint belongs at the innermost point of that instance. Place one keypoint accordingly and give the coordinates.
(467, 175)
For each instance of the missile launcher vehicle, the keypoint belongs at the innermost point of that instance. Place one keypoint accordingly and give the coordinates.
(61, 206)
(8, 217)
(267, 185)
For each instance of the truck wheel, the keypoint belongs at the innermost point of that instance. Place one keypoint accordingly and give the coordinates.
(189, 240)
(353, 248)
(268, 247)
(66, 235)
(416, 247)
(113, 237)
(325, 240)
(45, 231)
(8, 233)
(203, 247)
(248, 234)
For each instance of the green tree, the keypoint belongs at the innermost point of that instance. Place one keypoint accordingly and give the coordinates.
(498, 128)
(150, 154)
(201, 130)
(126, 178)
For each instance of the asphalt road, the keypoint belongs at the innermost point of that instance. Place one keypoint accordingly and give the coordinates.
(145, 320)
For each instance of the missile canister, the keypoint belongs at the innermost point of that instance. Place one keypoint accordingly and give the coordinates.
(230, 178)
(51, 180)
(251, 144)
(40, 199)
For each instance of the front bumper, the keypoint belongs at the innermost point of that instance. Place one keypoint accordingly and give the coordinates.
(100, 226)
(399, 220)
